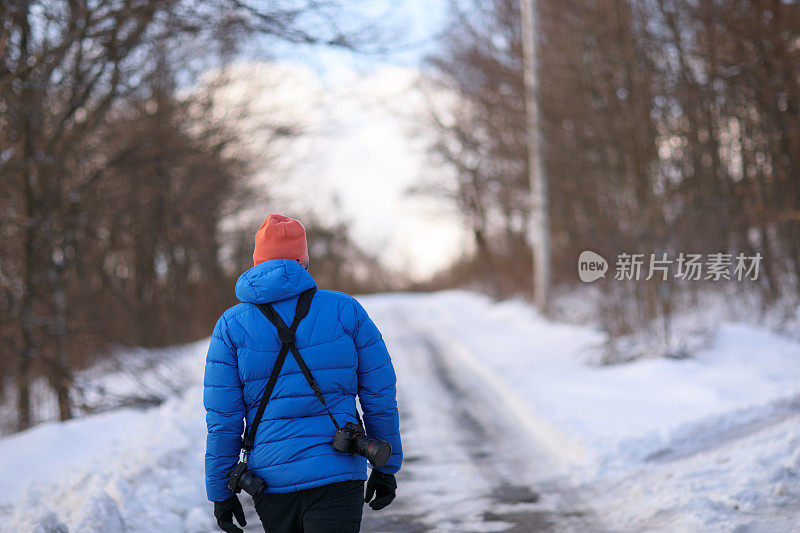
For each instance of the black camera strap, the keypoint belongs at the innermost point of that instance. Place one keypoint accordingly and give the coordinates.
(287, 338)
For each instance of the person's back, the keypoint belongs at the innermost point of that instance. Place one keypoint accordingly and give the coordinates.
(293, 452)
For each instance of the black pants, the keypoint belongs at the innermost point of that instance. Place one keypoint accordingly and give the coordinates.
(334, 508)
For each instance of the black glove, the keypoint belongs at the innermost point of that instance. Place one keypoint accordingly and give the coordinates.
(225, 511)
(383, 487)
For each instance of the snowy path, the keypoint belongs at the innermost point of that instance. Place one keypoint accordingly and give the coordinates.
(505, 428)
(469, 466)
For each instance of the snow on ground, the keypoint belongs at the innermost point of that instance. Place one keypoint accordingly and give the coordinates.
(118, 471)
(122, 470)
(624, 412)
(709, 443)
(746, 484)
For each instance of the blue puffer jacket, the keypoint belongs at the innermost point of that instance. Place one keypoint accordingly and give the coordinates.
(346, 355)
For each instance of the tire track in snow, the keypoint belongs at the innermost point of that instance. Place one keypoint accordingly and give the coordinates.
(503, 464)
(515, 487)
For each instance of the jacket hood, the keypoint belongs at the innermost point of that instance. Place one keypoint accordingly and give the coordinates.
(273, 281)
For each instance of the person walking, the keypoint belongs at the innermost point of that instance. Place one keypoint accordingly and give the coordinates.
(255, 375)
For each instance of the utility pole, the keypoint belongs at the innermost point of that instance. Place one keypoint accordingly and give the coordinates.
(538, 223)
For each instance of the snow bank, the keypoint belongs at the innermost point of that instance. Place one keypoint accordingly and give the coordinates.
(750, 484)
(618, 413)
(122, 471)
(709, 443)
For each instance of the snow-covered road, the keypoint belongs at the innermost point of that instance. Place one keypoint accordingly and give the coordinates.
(505, 428)
(470, 466)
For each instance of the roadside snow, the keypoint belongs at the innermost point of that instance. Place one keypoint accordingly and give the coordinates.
(618, 413)
(708, 443)
(745, 485)
(121, 471)
(57, 450)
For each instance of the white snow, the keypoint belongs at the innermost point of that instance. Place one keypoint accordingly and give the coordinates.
(55, 450)
(120, 471)
(709, 443)
(618, 413)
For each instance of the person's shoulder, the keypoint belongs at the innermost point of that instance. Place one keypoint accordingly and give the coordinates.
(349, 309)
(341, 300)
(226, 324)
(236, 310)
(334, 296)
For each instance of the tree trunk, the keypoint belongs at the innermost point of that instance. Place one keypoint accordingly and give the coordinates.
(539, 227)
(26, 319)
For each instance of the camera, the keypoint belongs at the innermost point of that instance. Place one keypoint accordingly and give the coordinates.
(240, 479)
(352, 439)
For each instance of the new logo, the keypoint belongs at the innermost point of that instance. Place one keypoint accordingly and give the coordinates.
(591, 266)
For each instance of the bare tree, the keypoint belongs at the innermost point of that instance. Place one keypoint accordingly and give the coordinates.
(114, 183)
(667, 126)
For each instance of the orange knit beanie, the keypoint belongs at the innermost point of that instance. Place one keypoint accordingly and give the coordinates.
(281, 237)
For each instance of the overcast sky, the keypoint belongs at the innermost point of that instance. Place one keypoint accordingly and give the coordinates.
(359, 156)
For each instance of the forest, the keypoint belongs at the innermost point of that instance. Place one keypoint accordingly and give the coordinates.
(668, 126)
